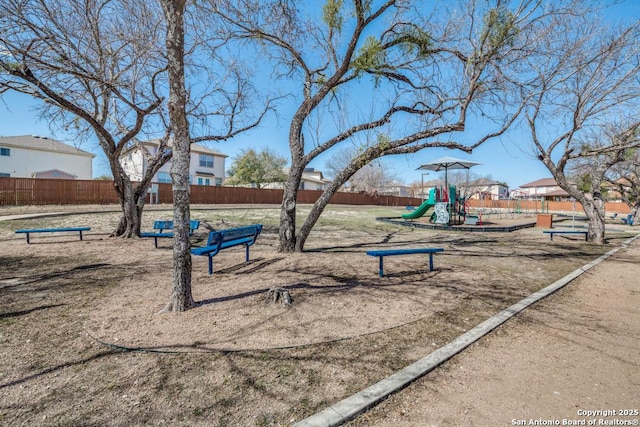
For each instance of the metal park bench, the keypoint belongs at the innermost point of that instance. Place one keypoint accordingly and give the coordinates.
(225, 239)
(160, 226)
(53, 230)
(393, 252)
(552, 232)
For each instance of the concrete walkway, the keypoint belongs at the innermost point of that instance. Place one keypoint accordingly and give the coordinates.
(557, 363)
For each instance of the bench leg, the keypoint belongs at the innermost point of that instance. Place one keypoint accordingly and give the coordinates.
(28, 241)
(155, 241)
(80, 235)
(381, 267)
(247, 255)
(550, 236)
(210, 264)
(430, 262)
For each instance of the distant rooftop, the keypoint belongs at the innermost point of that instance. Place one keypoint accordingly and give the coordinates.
(43, 143)
(544, 182)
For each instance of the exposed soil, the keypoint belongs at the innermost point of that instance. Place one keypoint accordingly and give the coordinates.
(71, 309)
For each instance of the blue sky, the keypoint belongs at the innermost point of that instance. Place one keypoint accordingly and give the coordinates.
(507, 159)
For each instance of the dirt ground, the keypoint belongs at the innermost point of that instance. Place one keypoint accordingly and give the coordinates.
(83, 342)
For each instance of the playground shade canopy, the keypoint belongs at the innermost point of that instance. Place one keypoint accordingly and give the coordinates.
(446, 163)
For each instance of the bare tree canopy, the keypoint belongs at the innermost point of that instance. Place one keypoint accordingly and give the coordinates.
(585, 82)
(391, 77)
(100, 69)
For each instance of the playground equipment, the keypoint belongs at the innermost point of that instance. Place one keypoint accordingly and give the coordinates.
(444, 164)
(443, 203)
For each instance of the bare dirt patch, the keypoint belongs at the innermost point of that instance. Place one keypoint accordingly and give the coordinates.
(70, 308)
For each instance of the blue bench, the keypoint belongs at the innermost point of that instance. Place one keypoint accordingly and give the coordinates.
(392, 252)
(53, 230)
(167, 225)
(628, 220)
(224, 239)
(552, 232)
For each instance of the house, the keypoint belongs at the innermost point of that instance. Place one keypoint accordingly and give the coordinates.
(485, 189)
(206, 166)
(396, 188)
(30, 156)
(545, 188)
(312, 179)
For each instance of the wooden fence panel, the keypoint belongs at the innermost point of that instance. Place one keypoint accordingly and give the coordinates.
(537, 206)
(31, 191)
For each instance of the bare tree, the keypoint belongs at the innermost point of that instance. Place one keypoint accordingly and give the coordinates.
(624, 174)
(371, 177)
(99, 67)
(93, 77)
(117, 70)
(588, 76)
(418, 76)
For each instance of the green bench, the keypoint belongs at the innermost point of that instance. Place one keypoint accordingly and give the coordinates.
(52, 230)
(394, 252)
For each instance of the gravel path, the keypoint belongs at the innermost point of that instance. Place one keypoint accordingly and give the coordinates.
(573, 359)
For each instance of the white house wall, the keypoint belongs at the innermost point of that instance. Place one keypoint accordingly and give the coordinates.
(135, 165)
(22, 163)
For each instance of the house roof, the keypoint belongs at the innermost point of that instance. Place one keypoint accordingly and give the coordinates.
(544, 182)
(195, 147)
(558, 192)
(483, 182)
(42, 143)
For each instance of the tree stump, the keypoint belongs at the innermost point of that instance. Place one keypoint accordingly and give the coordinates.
(278, 294)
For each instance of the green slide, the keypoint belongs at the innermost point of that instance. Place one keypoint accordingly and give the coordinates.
(423, 208)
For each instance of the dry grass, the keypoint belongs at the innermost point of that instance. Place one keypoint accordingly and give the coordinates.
(234, 361)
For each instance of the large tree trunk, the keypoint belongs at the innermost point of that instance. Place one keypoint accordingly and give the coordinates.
(132, 202)
(593, 206)
(287, 241)
(181, 298)
(318, 207)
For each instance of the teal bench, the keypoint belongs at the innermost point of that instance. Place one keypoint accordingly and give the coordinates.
(225, 239)
(53, 230)
(393, 252)
(552, 232)
(160, 226)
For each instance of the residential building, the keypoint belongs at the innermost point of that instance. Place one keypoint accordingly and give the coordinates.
(206, 165)
(30, 156)
(485, 189)
(545, 188)
(396, 188)
(312, 179)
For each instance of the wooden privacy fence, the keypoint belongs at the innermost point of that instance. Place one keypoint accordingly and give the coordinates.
(31, 191)
(538, 206)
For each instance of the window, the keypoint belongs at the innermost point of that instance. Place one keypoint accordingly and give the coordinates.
(206, 160)
(5, 151)
(218, 182)
(4, 175)
(204, 181)
(199, 181)
(207, 181)
(164, 177)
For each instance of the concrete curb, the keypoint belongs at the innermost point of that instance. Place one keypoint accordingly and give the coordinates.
(349, 408)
